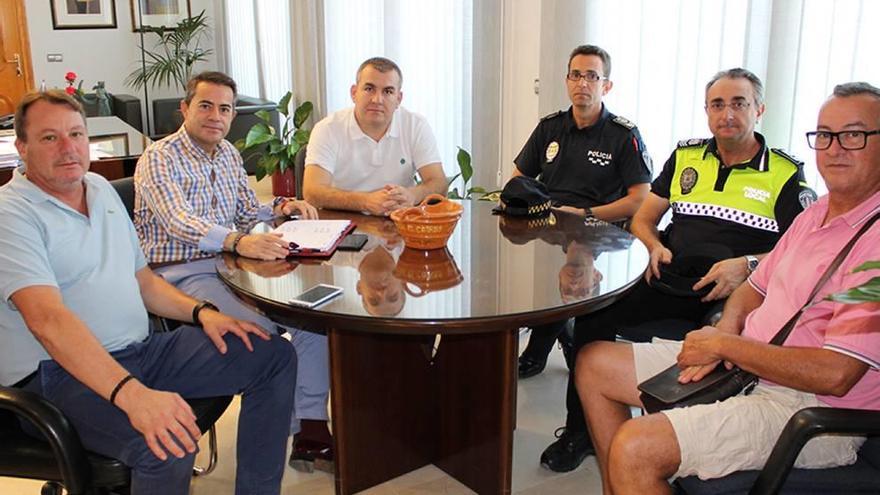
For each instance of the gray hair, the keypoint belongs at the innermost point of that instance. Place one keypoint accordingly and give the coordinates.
(855, 89)
(740, 73)
(593, 50)
(382, 65)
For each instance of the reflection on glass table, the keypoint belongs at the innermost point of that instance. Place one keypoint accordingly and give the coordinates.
(423, 343)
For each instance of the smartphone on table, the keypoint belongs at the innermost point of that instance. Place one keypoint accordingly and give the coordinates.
(316, 296)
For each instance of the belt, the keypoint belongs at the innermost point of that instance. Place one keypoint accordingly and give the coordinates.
(163, 264)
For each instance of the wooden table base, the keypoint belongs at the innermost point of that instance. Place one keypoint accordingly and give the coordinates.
(395, 409)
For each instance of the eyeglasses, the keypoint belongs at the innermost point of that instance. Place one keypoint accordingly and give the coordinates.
(848, 140)
(589, 76)
(736, 106)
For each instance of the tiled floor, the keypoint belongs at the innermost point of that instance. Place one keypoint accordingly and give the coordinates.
(539, 411)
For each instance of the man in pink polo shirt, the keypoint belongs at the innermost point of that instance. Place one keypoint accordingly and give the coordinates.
(831, 358)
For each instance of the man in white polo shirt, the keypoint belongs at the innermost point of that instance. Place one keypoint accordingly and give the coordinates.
(365, 158)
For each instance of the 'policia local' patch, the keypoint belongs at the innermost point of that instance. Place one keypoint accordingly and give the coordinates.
(688, 180)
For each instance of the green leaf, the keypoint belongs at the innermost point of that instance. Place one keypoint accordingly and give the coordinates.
(265, 116)
(867, 292)
(283, 163)
(493, 196)
(293, 149)
(301, 136)
(478, 190)
(869, 265)
(302, 114)
(259, 133)
(453, 194)
(284, 105)
(260, 173)
(268, 163)
(239, 144)
(464, 164)
(275, 147)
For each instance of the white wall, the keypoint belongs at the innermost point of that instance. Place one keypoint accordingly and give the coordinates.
(107, 55)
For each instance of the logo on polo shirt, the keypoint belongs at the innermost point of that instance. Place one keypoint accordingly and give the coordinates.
(756, 194)
(599, 158)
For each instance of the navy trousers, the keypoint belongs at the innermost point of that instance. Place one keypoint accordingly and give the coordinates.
(185, 361)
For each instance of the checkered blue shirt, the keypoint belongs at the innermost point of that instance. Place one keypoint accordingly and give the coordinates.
(187, 202)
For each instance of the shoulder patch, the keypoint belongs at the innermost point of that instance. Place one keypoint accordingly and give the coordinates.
(623, 122)
(784, 154)
(552, 115)
(687, 143)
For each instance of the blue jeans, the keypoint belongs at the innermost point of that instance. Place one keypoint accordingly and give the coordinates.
(199, 279)
(187, 362)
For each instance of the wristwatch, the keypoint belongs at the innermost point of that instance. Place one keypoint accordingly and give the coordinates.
(589, 212)
(751, 263)
(198, 309)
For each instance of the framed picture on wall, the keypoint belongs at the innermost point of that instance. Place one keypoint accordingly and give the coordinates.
(83, 14)
(156, 13)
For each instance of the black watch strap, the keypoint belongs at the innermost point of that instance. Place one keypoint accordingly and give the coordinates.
(198, 309)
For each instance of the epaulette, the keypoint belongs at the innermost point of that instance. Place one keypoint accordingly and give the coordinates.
(784, 154)
(550, 116)
(687, 143)
(623, 122)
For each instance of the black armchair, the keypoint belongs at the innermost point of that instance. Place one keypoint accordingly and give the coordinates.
(245, 118)
(60, 458)
(778, 476)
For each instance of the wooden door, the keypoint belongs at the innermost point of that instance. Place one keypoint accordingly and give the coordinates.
(16, 74)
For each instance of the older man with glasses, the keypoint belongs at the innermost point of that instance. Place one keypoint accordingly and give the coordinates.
(830, 358)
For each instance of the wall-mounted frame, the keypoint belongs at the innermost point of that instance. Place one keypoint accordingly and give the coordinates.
(83, 14)
(157, 13)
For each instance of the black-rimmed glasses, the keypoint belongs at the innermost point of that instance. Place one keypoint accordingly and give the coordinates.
(848, 140)
(589, 76)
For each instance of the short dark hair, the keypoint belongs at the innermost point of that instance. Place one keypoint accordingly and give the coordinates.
(213, 77)
(382, 65)
(592, 50)
(856, 88)
(740, 73)
(53, 96)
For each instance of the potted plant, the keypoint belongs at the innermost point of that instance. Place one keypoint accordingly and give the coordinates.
(277, 150)
(466, 171)
(170, 64)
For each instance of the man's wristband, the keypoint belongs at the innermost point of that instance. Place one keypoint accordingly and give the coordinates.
(118, 387)
(589, 212)
(198, 309)
(238, 237)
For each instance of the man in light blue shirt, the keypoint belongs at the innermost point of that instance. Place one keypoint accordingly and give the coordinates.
(73, 322)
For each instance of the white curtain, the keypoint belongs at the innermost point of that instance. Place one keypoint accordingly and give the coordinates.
(258, 47)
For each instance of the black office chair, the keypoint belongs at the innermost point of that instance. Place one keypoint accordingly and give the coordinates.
(778, 477)
(125, 189)
(299, 170)
(59, 458)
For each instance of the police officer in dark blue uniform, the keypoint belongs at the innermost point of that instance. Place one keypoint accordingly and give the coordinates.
(594, 164)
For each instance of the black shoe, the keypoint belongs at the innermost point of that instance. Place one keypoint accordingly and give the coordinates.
(568, 452)
(529, 367)
(308, 455)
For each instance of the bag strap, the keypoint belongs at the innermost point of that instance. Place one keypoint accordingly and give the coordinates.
(786, 329)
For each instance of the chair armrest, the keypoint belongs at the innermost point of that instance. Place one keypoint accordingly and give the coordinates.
(58, 432)
(804, 425)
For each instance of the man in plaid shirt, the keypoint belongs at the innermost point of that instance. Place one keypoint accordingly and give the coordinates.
(192, 200)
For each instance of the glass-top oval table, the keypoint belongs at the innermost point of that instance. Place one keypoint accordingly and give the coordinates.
(423, 343)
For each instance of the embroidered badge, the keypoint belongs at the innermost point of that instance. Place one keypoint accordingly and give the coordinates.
(688, 180)
(600, 158)
(551, 151)
(806, 197)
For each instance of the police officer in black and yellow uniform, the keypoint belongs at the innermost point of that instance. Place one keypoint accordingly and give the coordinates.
(731, 192)
(594, 164)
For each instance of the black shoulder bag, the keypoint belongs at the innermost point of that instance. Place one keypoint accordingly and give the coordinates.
(663, 391)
